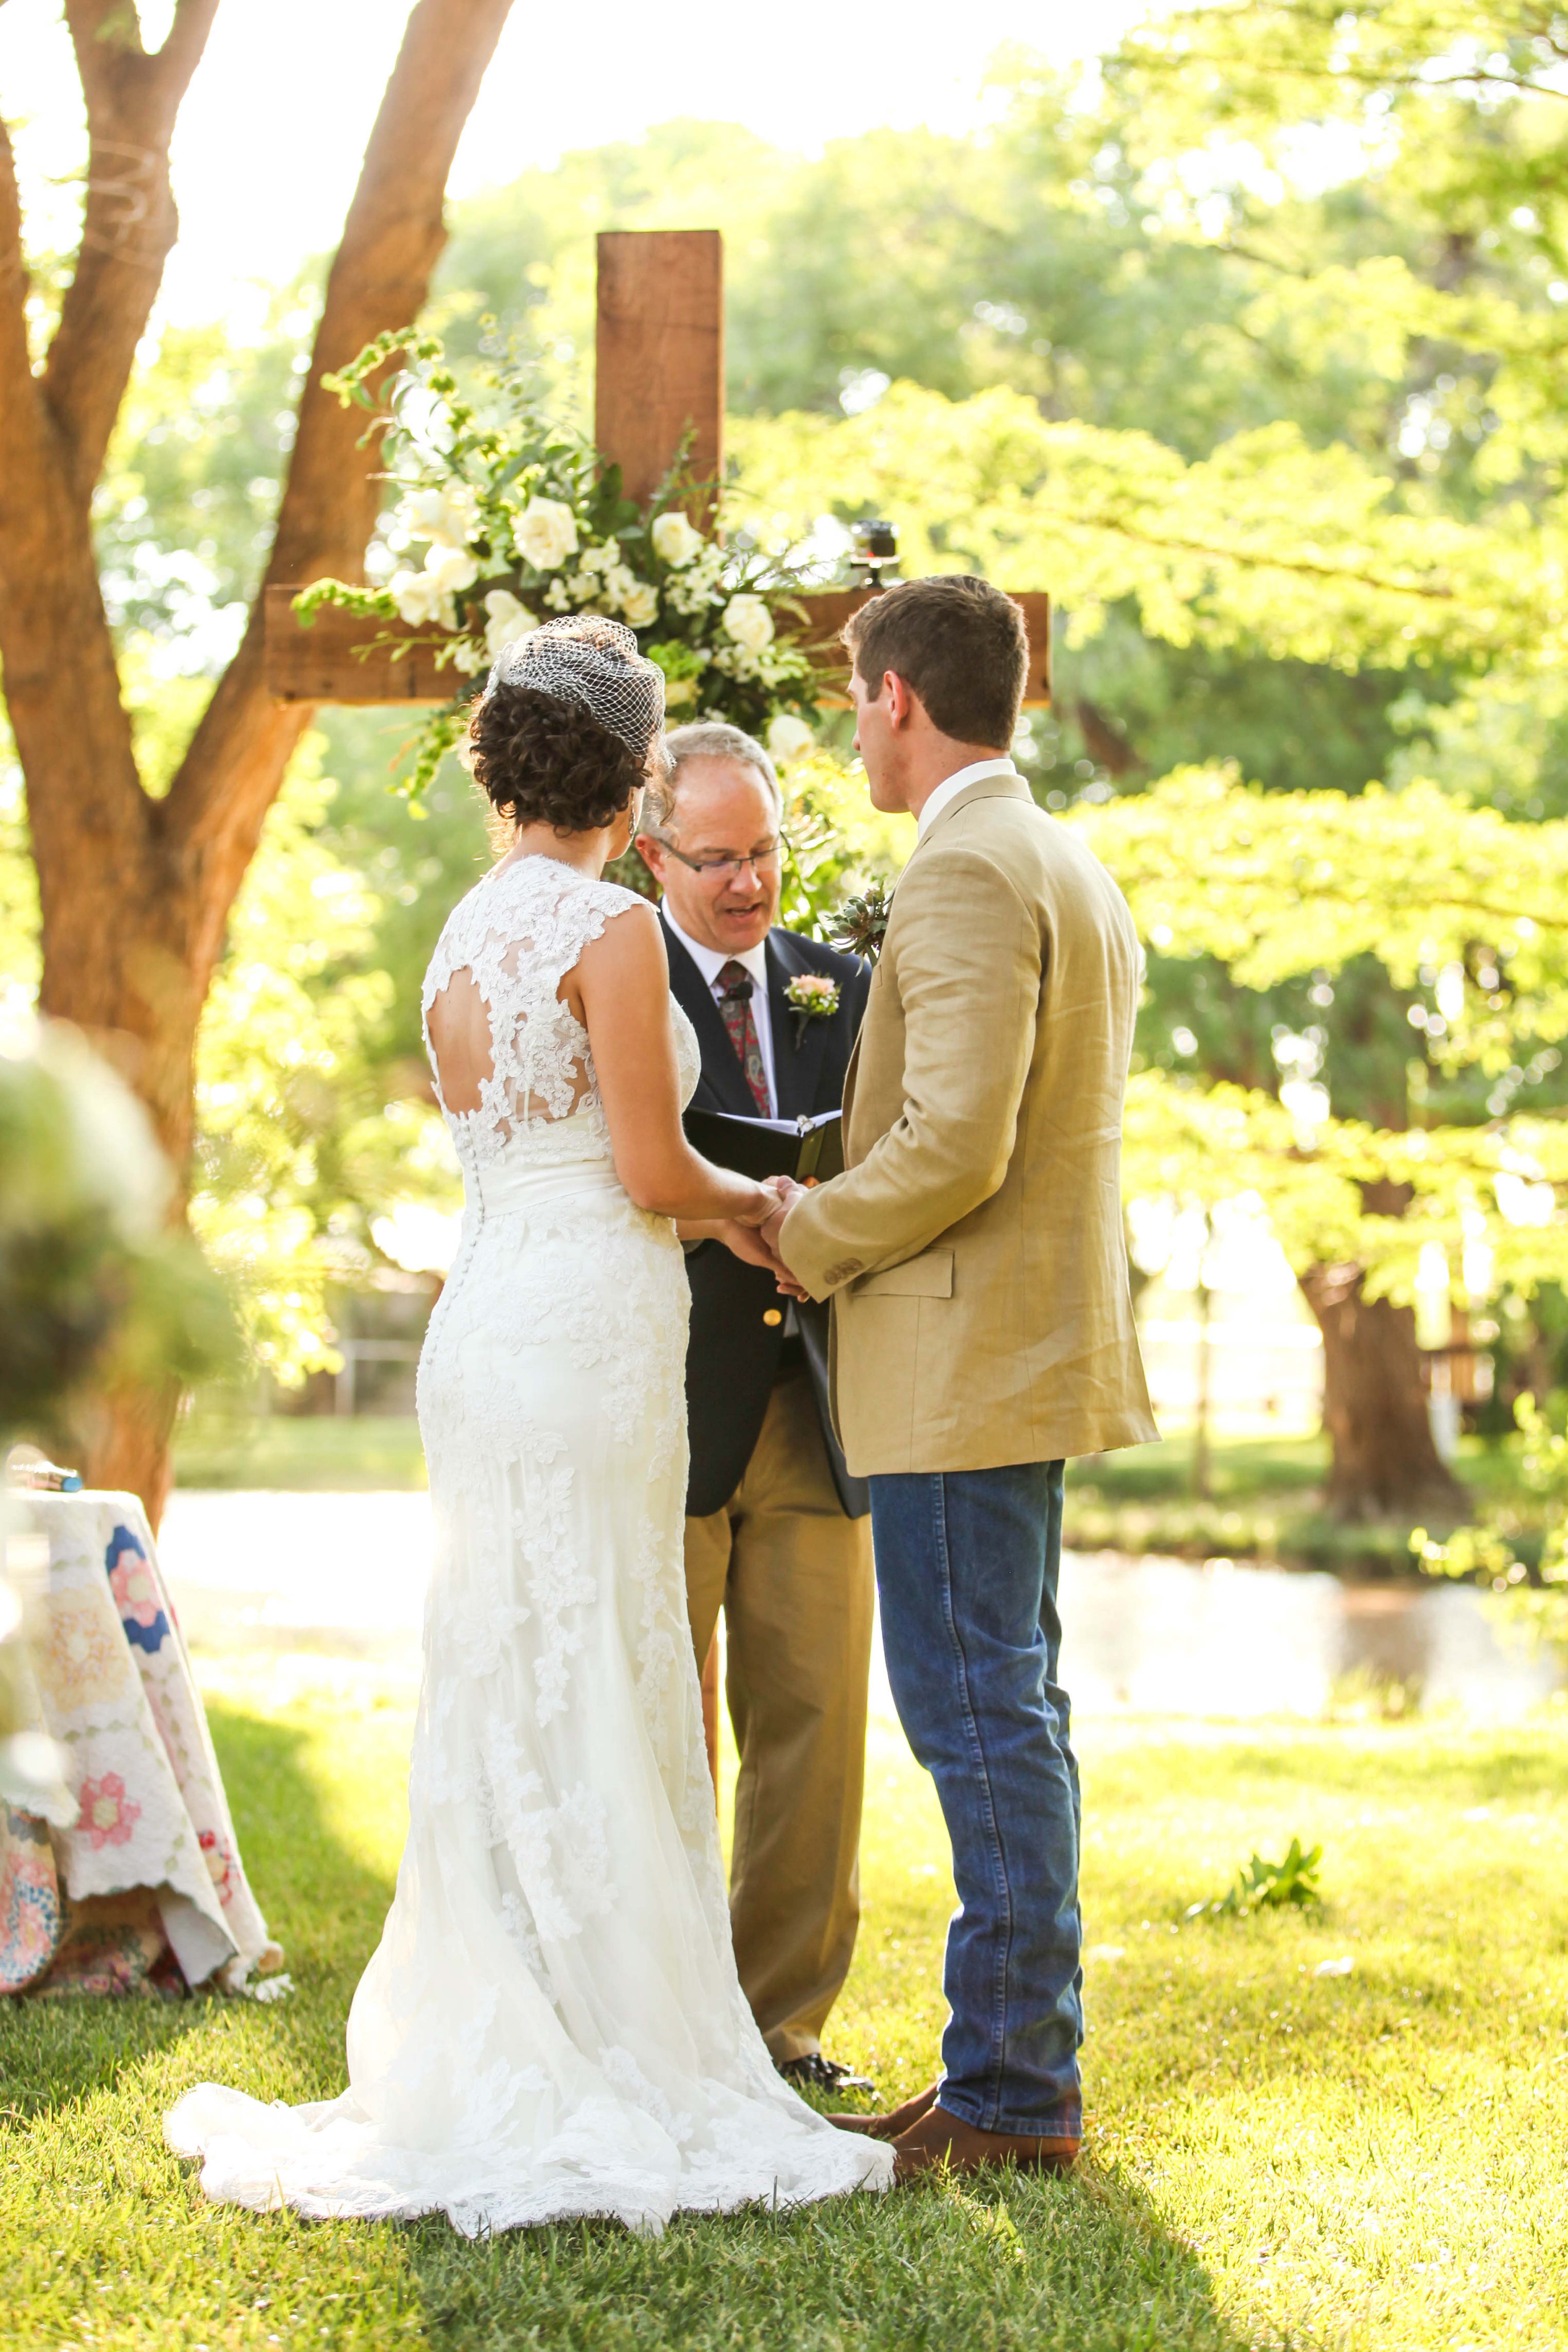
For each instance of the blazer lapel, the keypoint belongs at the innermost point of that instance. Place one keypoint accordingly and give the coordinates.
(797, 1048)
(722, 1076)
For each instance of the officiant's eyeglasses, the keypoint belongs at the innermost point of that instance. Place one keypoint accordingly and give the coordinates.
(725, 868)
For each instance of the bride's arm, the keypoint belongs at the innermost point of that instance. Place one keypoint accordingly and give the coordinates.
(623, 980)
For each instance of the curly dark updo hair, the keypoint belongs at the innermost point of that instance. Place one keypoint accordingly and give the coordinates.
(541, 760)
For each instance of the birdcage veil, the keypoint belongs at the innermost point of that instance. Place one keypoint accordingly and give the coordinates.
(585, 658)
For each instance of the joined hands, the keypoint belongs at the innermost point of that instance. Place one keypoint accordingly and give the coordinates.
(755, 1237)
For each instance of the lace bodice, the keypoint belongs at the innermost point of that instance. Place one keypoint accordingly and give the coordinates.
(506, 947)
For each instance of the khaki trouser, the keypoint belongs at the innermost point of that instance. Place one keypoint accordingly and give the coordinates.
(794, 1578)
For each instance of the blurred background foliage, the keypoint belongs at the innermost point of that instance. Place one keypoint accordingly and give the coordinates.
(1147, 318)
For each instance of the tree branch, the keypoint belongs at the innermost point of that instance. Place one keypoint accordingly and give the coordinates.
(1256, 560)
(391, 240)
(17, 391)
(130, 223)
(30, 480)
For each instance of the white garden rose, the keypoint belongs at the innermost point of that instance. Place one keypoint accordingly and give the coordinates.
(509, 620)
(790, 737)
(420, 599)
(545, 534)
(640, 604)
(675, 538)
(452, 568)
(749, 620)
(449, 516)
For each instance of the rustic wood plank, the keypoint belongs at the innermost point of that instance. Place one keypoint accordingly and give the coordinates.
(660, 355)
(830, 608)
(327, 661)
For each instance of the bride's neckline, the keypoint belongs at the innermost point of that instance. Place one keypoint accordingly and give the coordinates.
(537, 858)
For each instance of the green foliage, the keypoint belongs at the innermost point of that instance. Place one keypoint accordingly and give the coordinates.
(1262, 1885)
(1286, 884)
(299, 1149)
(92, 1283)
(1535, 1606)
(1295, 552)
(835, 843)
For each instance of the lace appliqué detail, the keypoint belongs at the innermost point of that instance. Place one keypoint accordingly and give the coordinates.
(517, 934)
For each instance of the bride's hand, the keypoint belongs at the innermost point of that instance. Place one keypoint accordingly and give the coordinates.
(773, 1194)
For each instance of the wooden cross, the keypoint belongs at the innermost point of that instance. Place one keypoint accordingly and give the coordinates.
(659, 375)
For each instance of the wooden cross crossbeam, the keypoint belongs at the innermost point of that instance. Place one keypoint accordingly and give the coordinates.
(659, 375)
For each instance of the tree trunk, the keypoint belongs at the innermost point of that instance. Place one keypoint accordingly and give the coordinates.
(1385, 1463)
(135, 893)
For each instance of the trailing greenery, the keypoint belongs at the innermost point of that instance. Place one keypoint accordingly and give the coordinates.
(1275, 2158)
(521, 518)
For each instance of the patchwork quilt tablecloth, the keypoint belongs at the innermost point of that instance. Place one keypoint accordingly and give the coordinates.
(148, 1887)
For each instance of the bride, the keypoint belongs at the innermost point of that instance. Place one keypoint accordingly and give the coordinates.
(552, 2025)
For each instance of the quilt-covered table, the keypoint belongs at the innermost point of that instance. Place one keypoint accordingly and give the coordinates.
(148, 1886)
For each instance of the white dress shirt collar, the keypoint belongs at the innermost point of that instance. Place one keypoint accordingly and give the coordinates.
(710, 962)
(951, 786)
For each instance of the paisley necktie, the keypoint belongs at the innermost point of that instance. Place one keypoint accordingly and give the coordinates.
(736, 1006)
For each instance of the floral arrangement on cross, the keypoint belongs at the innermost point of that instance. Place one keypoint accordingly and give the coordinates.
(519, 517)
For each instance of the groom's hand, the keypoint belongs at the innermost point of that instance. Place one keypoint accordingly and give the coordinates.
(788, 1193)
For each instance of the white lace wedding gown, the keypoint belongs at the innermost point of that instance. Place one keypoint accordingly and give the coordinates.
(552, 2025)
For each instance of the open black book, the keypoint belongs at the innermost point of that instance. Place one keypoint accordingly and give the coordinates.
(806, 1148)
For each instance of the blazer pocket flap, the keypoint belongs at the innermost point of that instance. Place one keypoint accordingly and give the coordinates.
(929, 1275)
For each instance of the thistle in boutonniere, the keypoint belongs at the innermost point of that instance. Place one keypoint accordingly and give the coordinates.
(811, 997)
(861, 924)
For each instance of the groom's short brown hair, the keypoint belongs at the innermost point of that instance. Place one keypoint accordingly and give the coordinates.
(957, 643)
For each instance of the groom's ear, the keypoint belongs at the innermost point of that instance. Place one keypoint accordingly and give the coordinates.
(900, 700)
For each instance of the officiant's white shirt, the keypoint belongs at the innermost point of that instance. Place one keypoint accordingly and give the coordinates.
(951, 786)
(710, 963)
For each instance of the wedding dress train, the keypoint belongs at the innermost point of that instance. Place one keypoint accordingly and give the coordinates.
(552, 2025)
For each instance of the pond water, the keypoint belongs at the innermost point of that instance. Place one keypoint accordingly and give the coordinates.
(346, 1575)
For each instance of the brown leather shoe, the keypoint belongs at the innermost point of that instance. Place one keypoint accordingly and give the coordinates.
(938, 2139)
(896, 2120)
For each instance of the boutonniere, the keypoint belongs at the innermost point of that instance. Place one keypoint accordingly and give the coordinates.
(811, 997)
(862, 923)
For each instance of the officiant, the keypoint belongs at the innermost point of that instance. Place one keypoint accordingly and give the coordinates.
(777, 1533)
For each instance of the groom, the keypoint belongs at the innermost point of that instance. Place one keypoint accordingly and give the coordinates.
(982, 1326)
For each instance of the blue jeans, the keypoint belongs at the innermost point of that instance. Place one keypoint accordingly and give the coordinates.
(966, 1565)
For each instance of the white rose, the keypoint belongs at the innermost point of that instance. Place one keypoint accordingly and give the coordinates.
(790, 737)
(452, 568)
(675, 540)
(450, 517)
(545, 534)
(508, 620)
(419, 599)
(749, 620)
(640, 604)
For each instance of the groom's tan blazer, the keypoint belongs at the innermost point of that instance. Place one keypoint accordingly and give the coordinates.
(974, 1248)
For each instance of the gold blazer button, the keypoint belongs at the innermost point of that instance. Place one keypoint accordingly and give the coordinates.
(771, 1314)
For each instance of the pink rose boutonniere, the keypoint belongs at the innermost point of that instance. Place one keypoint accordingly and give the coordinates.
(811, 997)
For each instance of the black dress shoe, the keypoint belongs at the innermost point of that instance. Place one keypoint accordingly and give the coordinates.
(818, 2074)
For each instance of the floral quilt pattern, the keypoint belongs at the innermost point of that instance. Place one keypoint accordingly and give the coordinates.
(117, 1693)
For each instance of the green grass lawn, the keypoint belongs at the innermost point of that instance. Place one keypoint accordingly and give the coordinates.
(1274, 2159)
(309, 1454)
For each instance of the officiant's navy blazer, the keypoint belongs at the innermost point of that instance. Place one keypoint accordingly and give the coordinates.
(733, 1359)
